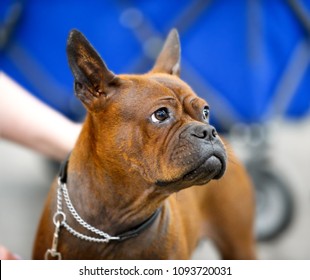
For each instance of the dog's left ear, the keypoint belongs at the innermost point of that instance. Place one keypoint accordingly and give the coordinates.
(168, 61)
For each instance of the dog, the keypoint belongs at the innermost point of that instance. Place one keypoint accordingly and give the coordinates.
(149, 177)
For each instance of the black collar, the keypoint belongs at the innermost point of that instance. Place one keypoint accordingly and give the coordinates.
(62, 176)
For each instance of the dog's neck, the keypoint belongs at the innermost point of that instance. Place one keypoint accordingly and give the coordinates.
(110, 203)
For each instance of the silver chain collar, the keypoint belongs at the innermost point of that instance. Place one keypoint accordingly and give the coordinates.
(59, 220)
(62, 191)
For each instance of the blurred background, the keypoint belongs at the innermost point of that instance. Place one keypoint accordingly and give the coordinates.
(248, 58)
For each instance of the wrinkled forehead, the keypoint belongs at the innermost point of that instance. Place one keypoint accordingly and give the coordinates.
(176, 85)
(181, 90)
(165, 82)
(160, 87)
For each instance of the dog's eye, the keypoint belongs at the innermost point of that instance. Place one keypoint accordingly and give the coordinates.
(206, 112)
(160, 115)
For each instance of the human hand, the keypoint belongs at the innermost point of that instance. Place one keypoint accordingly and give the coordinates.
(5, 254)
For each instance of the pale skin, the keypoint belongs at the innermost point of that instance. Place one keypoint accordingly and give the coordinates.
(27, 121)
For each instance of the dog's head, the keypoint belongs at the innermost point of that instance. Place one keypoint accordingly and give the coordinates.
(152, 126)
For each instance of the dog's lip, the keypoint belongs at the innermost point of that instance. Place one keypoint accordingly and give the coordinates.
(194, 173)
(215, 164)
(223, 169)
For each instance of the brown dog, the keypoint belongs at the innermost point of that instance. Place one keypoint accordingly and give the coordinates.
(124, 192)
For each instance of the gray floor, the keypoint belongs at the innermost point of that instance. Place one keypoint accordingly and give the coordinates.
(25, 177)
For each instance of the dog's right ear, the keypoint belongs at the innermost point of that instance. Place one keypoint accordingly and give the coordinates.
(93, 81)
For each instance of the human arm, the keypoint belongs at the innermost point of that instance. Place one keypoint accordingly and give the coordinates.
(29, 122)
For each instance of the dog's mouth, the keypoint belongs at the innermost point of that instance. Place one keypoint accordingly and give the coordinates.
(211, 168)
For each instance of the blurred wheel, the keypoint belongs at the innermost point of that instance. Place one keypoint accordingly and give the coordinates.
(274, 205)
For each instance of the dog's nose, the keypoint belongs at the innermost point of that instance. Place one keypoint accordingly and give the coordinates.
(207, 132)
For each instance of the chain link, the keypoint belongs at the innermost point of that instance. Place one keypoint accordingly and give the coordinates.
(62, 191)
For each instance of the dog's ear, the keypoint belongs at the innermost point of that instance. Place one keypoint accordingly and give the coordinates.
(168, 61)
(92, 78)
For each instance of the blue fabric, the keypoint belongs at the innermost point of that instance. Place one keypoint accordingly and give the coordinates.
(233, 52)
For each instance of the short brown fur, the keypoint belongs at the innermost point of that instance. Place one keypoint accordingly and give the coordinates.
(124, 166)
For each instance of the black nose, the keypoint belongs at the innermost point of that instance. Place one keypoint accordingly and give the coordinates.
(207, 132)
